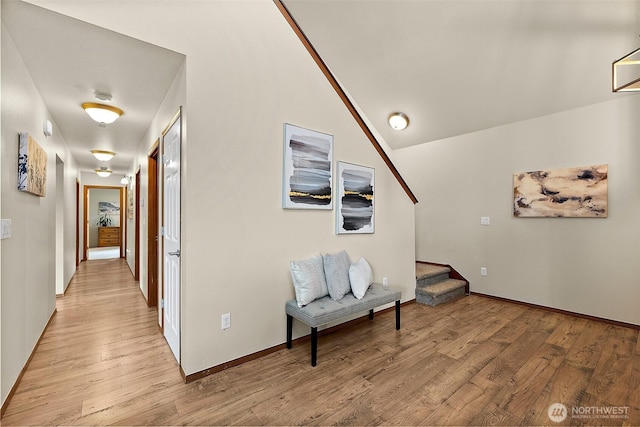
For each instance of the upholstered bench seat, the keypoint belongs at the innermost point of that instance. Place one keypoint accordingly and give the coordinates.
(325, 310)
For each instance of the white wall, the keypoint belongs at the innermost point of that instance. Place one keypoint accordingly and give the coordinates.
(587, 266)
(247, 74)
(28, 257)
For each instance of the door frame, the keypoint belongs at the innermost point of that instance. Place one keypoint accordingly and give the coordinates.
(85, 243)
(153, 228)
(136, 242)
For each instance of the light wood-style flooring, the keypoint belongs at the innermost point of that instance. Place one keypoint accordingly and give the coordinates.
(475, 361)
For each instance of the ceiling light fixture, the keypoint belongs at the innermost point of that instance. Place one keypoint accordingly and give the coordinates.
(102, 155)
(101, 113)
(103, 172)
(398, 121)
(627, 70)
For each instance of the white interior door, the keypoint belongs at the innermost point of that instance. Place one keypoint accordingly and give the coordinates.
(171, 233)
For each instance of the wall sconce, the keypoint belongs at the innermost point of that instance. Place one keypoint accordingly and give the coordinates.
(101, 113)
(398, 121)
(103, 172)
(626, 73)
(102, 155)
(125, 180)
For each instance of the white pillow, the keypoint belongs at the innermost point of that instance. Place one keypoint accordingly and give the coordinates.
(360, 277)
(308, 279)
(336, 272)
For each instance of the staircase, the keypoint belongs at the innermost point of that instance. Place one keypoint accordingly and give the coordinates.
(437, 284)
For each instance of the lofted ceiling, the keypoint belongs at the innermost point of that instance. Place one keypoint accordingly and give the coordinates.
(453, 66)
(70, 59)
(459, 66)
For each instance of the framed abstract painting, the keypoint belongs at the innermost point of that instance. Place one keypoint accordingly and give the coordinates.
(355, 211)
(32, 166)
(307, 170)
(580, 192)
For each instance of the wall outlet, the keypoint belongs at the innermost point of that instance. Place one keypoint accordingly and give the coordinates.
(483, 271)
(225, 321)
(385, 282)
(485, 220)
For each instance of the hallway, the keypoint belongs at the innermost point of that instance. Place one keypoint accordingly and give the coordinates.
(102, 348)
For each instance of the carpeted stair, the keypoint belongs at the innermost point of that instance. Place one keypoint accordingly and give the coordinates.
(434, 287)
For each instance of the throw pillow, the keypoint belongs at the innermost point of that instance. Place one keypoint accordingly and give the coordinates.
(360, 276)
(336, 271)
(308, 279)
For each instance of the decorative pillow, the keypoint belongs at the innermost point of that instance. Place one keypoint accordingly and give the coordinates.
(308, 279)
(336, 271)
(361, 277)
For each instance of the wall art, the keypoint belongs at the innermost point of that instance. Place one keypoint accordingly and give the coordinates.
(32, 166)
(580, 192)
(355, 199)
(307, 170)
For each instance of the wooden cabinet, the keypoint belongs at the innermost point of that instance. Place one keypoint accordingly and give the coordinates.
(108, 236)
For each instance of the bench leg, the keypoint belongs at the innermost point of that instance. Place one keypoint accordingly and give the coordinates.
(371, 314)
(398, 315)
(289, 330)
(314, 346)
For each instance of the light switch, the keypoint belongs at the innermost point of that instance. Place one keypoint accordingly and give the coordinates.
(6, 229)
(485, 220)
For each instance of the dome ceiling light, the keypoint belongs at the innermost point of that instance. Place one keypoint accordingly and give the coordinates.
(398, 121)
(103, 172)
(102, 155)
(102, 113)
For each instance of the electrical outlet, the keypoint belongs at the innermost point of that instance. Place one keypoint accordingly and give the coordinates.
(385, 282)
(485, 220)
(483, 271)
(225, 321)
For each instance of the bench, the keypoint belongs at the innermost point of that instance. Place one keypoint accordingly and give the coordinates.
(325, 310)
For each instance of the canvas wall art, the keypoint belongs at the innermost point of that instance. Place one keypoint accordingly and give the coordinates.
(307, 171)
(355, 207)
(571, 192)
(32, 166)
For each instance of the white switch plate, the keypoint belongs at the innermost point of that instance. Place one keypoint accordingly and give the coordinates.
(6, 229)
(485, 220)
(483, 271)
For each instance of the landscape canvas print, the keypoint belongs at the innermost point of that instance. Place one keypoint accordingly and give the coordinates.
(32, 166)
(580, 192)
(307, 171)
(355, 211)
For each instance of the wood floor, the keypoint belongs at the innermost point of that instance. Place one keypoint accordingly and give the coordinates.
(475, 361)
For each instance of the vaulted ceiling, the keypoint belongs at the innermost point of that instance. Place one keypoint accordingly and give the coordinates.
(453, 66)
(459, 66)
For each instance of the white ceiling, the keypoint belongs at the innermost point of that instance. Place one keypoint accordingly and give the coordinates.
(453, 66)
(69, 59)
(456, 66)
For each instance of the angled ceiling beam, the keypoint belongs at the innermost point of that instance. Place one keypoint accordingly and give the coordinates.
(343, 96)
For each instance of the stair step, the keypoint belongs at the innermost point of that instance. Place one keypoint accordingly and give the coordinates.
(424, 271)
(440, 292)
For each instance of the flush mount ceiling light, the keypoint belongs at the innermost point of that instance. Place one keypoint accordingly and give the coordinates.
(103, 172)
(102, 155)
(398, 121)
(626, 73)
(102, 113)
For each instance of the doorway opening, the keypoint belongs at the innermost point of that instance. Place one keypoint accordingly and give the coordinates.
(104, 225)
